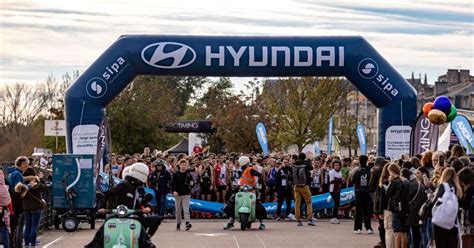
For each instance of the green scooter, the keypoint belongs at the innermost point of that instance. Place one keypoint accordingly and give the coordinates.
(245, 205)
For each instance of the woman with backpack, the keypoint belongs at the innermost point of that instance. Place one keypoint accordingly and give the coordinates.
(396, 191)
(466, 179)
(448, 187)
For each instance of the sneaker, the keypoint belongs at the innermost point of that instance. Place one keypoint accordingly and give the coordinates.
(291, 217)
(370, 231)
(357, 231)
(337, 221)
(277, 218)
(299, 223)
(178, 227)
(262, 226)
(311, 222)
(188, 226)
(228, 226)
(333, 221)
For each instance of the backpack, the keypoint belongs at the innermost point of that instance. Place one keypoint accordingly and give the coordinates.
(271, 177)
(299, 174)
(445, 209)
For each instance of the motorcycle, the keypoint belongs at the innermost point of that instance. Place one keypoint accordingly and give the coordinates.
(245, 206)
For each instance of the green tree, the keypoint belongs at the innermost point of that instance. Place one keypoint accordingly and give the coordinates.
(300, 108)
(345, 125)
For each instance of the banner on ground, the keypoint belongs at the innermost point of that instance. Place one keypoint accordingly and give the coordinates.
(361, 136)
(463, 130)
(424, 136)
(330, 135)
(262, 137)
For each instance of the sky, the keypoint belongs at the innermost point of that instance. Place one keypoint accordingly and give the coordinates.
(39, 38)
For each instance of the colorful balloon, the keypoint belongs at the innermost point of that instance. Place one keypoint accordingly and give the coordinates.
(452, 114)
(427, 108)
(442, 103)
(437, 117)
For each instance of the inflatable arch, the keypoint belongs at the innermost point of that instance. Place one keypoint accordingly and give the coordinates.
(352, 57)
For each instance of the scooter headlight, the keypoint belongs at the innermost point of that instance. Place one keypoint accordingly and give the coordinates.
(122, 210)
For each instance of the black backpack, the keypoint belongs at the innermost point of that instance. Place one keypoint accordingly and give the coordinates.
(299, 174)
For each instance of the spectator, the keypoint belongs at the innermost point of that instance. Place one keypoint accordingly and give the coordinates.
(362, 197)
(163, 178)
(396, 192)
(181, 187)
(466, 179)
(31, 189)
(376, 173)
(15, 176)
(301, 174)
(445, 238)
(220, 180)
(5, 202)
(417, 196)
(207, 174)
(270, 179)
(336, 181)
(284, 189)
(457, 151)
(316, 177)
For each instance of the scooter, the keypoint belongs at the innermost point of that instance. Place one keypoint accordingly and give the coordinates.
(245, 206)
(122, 229)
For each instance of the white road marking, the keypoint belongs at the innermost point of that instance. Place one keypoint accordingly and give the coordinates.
(261, 241)
(52, 242)
(210, 234)
(237, 243)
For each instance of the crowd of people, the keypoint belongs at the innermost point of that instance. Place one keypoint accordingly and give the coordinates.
(406, 196)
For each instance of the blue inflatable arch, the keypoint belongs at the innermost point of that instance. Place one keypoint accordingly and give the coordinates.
(351, 57)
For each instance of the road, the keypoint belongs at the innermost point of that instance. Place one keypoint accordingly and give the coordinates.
(209, 233)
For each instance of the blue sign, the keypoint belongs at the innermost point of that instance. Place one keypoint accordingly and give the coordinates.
(262, 137)
(463, 130)
(172, 55)
(330, 135)
(361, 137)
(317, 148)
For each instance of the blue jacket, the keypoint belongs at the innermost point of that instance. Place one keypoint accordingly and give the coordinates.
(15, 176)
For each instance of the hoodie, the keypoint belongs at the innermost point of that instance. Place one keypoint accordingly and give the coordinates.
(15, 176)
(4, 194)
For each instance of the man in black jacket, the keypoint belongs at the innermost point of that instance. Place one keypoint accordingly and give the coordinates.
(284, 188)
(160, 179)
(181, 184)
(363, 201)
(374, 188)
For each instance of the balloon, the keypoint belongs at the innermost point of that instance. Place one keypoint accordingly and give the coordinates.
(452, 114)
(437, 117)
(442, 103)
(427, 108)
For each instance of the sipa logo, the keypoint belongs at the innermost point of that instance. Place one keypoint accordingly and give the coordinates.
(168, 55)
(96, 87)
(368, 68)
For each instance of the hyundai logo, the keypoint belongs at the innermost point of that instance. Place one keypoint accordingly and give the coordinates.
(368, 68)
(96, 87)
(168, 55)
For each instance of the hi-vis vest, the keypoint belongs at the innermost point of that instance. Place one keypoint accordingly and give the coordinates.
(247, 178)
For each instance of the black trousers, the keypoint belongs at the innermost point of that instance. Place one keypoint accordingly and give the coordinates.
(284, 194)
(229, 209)
(17, 223)
(445, 238)
(336, 196)
(415, 236)
(381, 231)
(363, 210)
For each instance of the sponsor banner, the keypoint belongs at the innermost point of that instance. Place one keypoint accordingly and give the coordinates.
(54, 128)
(397, 141)
(262, 137)
(463, 130)
(84, 139)
(189, 127)
(101, 142)
(424, 136)
(330, 135)
(444, 140)
(317, 148)
(361, 136)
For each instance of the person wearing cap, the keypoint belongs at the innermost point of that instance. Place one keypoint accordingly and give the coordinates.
(160, 179)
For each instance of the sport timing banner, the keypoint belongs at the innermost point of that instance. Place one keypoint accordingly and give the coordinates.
(424, 136)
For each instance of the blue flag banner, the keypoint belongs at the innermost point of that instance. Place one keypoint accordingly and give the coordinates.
(361, 137)
(463, 130)
(262, 137)
(317, 148)
(330, 135)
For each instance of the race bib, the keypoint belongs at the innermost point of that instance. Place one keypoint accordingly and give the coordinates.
(283, 182)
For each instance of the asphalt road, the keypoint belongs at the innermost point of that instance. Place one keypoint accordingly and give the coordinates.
(209, 233)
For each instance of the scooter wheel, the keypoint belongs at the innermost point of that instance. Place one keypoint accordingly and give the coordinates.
(244, 221)
(70, 224)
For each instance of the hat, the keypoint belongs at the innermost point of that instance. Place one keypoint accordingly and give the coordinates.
(379, 160)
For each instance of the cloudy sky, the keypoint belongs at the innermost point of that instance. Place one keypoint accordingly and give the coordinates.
(41, 37)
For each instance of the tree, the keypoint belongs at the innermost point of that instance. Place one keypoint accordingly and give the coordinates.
(345, 125)
(141, 109)
(300, 108)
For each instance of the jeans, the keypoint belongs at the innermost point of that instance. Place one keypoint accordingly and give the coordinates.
(32, 220)
(336, 196)
(305, 193)
(426, 232)
(4, 237)
(161, 197)
(182, 204)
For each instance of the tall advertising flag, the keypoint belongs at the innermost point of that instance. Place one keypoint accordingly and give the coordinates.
(262, 137)
(361, 136)
(101, 142)
(463, 130)
(317, 148)
(424, 136)
(330, 135)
